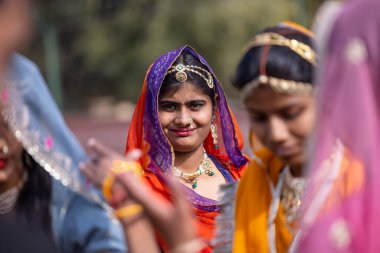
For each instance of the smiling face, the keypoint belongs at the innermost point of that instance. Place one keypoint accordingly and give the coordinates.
(10, 158)
(185, 114)
(282, 122)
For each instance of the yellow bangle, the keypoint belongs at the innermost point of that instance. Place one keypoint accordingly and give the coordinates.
(128, 211)
(120, 167)
(107, 186)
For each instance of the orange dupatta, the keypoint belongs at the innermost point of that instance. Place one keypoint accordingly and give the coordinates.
(155, 150)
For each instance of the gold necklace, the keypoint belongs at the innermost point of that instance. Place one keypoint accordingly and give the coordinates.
(192, 178)
(291, 196)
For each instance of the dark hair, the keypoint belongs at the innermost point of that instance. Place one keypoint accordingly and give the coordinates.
(281, 61)
(170, 81)
(34, 201)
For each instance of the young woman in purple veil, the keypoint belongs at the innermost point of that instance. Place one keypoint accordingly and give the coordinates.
(184, 127)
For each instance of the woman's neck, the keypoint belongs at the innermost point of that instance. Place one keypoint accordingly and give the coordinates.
(188, 162)
(14, 180)
(297, 171)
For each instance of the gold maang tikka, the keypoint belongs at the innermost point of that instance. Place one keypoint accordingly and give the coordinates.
(181, 76)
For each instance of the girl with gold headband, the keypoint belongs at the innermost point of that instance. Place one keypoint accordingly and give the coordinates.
(184, 126)
(276, 75)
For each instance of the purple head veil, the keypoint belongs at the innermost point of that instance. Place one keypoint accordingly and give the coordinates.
(160, 151)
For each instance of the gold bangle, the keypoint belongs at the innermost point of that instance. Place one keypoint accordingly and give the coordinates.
(120, 167)
(107, 186)
(128, 211)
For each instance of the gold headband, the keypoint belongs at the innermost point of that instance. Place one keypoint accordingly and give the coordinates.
(303, 50)
(181, 76)
(287, 87)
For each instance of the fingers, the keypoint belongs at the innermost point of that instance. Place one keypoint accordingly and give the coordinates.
(101, 150)
(155, 207)
(98, 148)
(133, 155)
(90, 172)
(102, 160)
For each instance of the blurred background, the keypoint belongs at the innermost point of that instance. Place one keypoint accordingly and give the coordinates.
(94, 53)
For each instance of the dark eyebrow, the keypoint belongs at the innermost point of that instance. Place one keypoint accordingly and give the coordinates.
(196, 100)
(282, 109)
(289, 107)
(167, 102)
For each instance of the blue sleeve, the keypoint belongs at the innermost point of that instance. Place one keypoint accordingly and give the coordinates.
(87, 227)
(31, 82)
(78, 224)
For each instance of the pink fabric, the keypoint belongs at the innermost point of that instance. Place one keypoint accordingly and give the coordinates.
(349, 110)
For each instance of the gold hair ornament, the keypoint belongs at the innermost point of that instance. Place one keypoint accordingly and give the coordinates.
(181, 76)
(287, 87)
(303, 50)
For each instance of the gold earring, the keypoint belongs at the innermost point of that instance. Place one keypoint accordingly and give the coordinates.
(214, 134)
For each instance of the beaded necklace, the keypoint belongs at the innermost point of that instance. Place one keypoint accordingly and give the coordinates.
(192, 178)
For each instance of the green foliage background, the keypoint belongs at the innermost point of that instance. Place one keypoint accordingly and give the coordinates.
(104, 47)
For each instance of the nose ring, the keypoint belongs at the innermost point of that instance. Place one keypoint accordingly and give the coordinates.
(191, 121)
(4, 149)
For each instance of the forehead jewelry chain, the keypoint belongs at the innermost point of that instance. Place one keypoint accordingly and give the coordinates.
(181, 75)
(192, 178)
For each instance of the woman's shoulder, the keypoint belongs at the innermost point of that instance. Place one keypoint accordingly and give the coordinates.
(226, 166)
(264, 166)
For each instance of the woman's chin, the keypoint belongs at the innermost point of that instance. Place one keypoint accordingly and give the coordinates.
(3, 176)
(296, 161)
(184, 147)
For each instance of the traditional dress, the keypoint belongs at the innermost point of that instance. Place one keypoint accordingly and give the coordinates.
(253, 204)
(145, 133)
(262, 224)
(268, 198)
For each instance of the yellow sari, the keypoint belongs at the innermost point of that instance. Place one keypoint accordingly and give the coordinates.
(254, 198)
